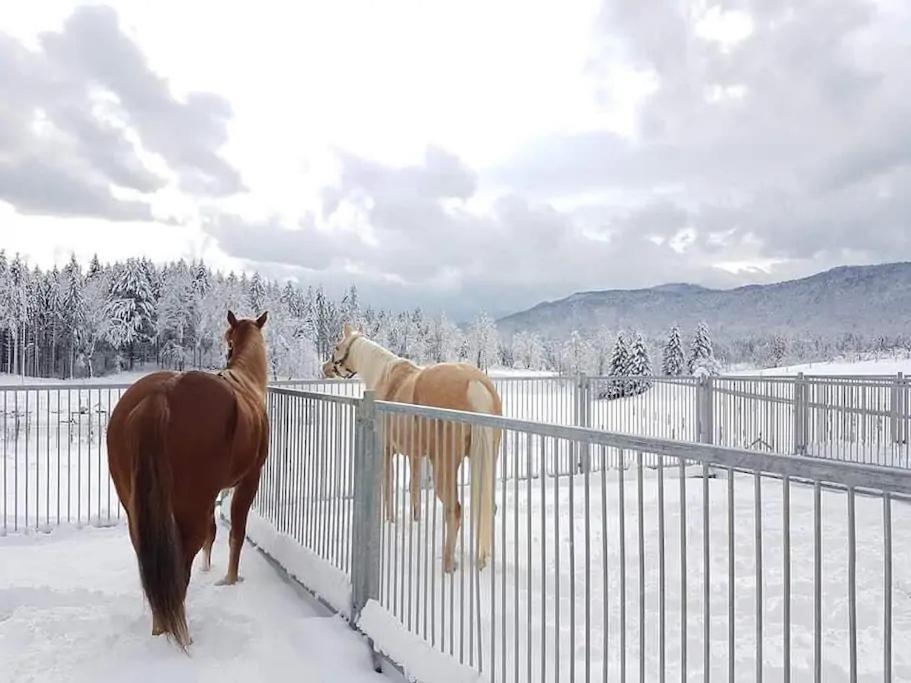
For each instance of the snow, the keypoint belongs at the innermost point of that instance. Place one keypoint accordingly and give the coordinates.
(420, 661)
(497, 372)
(71, 609)
(881, 366)
(322, 578)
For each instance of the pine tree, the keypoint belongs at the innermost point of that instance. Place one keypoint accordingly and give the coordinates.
(618, 368)
(94, 267)
(640, 365)
(131, 308)
(673, 362)
(256, 294)
(702, 355)
(778, 350)
(73, 308)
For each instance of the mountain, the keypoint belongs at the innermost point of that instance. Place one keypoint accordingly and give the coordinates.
(862, 299)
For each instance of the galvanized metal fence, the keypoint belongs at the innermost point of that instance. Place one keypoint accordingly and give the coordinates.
(54, 466)
(613, 554)
(715, 562)
(860, 419)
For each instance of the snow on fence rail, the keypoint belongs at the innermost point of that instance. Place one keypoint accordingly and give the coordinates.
(714, 561)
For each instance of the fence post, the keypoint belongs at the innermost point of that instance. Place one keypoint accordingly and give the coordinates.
(582, 399)
(897, 409)
(705, 410)
(801, 415)
(365, 557)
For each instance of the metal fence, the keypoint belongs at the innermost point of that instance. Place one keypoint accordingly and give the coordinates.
(715, 562)
(54, 467)
(54, 464)
(861, 419)
(613, 554)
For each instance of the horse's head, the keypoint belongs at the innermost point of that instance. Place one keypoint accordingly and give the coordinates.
(339, 365)
(244, 334)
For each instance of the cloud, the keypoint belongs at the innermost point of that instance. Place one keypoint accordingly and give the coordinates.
(75, 113)
(447, 251)
(794, 136)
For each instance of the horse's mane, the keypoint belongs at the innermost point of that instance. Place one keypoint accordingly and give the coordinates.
(246, 370)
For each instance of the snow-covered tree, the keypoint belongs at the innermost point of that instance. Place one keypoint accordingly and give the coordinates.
(72, 308)
(482, 342)
(673, 362)
(528, 351)
(442, 340)
(639, 365)
(131, 308)
(702, 355)
(619, 368)
(778, 350)
(256, 295)
(601, 351)
(577, 354)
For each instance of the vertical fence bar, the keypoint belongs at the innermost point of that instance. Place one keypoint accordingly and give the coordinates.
(887, 587)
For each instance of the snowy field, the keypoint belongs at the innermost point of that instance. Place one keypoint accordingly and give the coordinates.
(71, 609)
(883, 366)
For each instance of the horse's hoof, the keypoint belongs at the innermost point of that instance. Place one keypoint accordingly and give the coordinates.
(450, 567)
(227, 581)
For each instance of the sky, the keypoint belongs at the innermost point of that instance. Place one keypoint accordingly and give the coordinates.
(461, 156)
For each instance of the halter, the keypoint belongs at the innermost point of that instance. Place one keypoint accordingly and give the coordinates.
(339, 364)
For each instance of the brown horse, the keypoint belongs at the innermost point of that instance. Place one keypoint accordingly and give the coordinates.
(456, 386)
(175, 441)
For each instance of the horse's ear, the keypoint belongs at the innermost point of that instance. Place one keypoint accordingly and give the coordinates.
(346, 330)
(261, 320)
(232, 319)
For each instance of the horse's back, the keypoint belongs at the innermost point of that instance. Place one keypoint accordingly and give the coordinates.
(449, 385)
(201, 423)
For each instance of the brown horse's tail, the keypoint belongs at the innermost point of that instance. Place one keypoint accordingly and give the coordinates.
(161, 563)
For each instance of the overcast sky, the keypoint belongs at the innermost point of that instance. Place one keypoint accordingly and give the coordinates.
(461, 155)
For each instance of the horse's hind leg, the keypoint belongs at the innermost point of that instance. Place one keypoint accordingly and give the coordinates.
(207, 547)
(415, 485)
(240, 508)
(444, 476)
(387, 483)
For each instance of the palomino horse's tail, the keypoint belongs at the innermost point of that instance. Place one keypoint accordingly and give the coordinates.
(483, 448)
(157, 541)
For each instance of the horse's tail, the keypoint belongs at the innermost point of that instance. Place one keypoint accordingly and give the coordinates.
(158, 547)
(483, 448)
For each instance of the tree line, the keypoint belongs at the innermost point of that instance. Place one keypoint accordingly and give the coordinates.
(92, 319)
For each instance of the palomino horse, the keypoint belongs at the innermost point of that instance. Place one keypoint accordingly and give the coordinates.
(457, 386)
(175, 440)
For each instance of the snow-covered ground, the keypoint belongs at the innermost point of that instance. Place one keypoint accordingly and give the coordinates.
(71, 609)
(882, 366)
